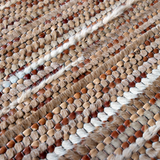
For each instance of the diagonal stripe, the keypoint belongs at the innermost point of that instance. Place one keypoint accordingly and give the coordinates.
(147, 135)
(19, 75)
(90, 78)
(116, 12)
(127, 96)
(90, 127)
(41, 85)
(72, 40)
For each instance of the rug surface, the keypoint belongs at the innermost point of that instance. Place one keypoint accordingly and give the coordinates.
(79, 79)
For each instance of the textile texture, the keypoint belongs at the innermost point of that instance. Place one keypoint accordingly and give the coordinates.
(79, 79)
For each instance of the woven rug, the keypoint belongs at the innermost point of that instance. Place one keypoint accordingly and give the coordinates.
(79, 79)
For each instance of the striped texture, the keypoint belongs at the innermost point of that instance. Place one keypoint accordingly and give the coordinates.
(79, 79)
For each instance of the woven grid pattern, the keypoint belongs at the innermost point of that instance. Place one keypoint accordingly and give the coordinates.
(79, 79)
